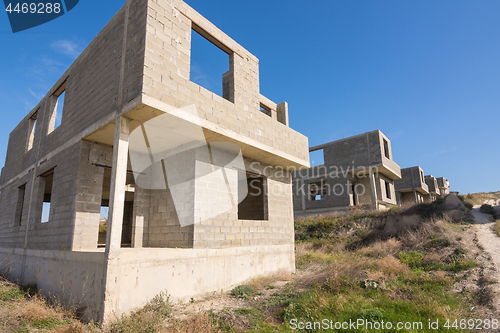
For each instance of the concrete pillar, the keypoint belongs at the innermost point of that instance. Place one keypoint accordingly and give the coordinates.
(117, 188)
(413, 187)
(282, 113)
(373, 188)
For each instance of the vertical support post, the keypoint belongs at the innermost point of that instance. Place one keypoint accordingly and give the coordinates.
(282, 113)
(413, 187)
(117, 188)
(373, 188)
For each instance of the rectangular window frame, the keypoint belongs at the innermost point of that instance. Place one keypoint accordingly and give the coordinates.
(54, 101)
(44, 178)
(21, 193)
(264, 214)
(386, 149)
(32, 121)
(387, 190)
(317, 189)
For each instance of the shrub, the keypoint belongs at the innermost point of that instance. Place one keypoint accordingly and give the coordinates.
(244, 291)
(497, 228)
(411, 258)
(468, 205)
(487, 209)
(438, 242)
(10, 292)
(373, 314)
(147, 320)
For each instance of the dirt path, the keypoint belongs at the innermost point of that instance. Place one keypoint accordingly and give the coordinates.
(489, 243)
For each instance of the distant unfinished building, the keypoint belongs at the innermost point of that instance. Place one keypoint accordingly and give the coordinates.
(444, 186)
(432, 183)
(357, 171)
(171, 160)
(411, 188)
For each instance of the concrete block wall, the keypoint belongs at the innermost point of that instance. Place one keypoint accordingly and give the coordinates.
(138, 64)
(412, 178)
(381, 180)
(444, 186)
(432, 184)
(167, 70)
(89, 189)
(226, 230)
(342, 157)
(57, 232)
(107, 73)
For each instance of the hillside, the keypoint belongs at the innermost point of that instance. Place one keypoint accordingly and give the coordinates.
(417, 266)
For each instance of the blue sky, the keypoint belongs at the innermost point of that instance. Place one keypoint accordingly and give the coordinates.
(426, 73)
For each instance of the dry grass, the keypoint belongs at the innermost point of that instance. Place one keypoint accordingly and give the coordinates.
(37, 309)
(265, 282)
(496, 227)
(390, 266)
(381, 248)
(200, 322)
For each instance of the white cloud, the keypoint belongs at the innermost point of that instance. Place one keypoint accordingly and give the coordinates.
(37, 96)
(67, 47)
(441, 152)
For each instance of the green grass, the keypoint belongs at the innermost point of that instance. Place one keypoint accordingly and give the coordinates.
(10, 292)
(438, 243)
(420, 298)
(244, 291)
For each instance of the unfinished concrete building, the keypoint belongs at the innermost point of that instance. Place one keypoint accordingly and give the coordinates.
(411, 188)
(357, 171)
(432, 183)
(444, 186)
(171, 161)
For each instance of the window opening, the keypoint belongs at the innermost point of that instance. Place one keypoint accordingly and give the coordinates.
(254, 205)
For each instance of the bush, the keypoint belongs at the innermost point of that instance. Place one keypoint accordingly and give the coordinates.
(148, 319)
(487, 209)
(411, 258)
(468, 205)
(244, 291)
(438, 242)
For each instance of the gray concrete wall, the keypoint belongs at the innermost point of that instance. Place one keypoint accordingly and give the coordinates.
(75, 277)
(184, 273)
(342, 158)
(136, 69)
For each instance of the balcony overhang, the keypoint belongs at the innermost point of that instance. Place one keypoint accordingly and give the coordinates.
(250, 148)
(385, 169)
(418, 189)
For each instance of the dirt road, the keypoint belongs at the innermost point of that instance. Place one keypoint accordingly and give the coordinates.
(488, 242)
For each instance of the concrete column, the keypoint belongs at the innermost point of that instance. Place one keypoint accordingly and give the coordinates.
(373, 188)
(282, 113)
(413, 187)
(117, 189)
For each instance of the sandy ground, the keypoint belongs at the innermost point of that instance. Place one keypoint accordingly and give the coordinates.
(489, 245)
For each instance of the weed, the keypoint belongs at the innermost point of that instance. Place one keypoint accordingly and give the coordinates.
(372, 314)
(438, 242)
(459, 251)
(412, 258)
(11, 292)
(244, 291)
(148, 319)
